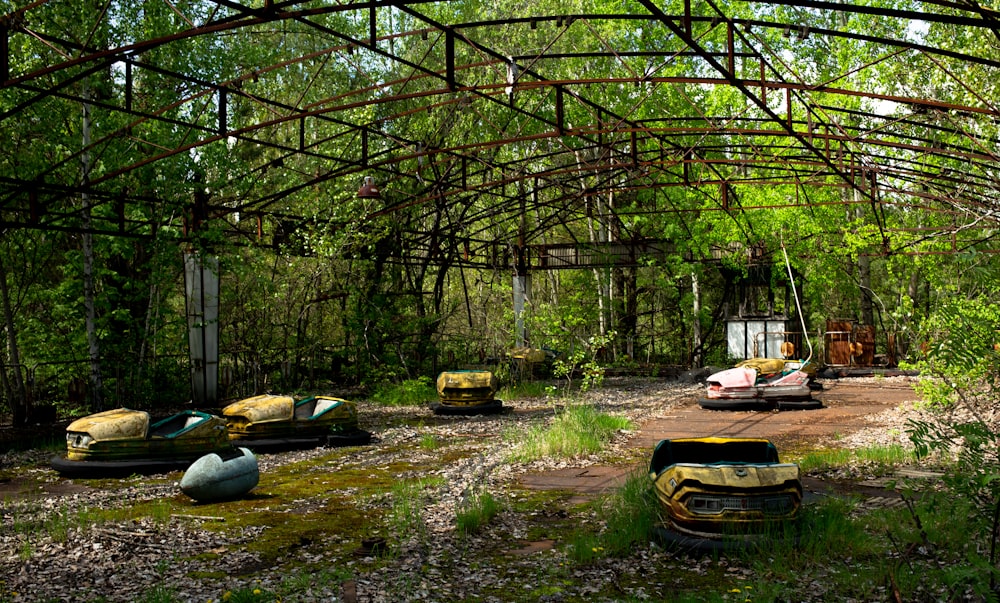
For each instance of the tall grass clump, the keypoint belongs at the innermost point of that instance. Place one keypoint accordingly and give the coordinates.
(406, 518)
(411, 392)
(476, 513)
(578, 430)
(630, 514)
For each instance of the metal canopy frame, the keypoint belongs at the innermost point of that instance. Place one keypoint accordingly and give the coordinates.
(320, 115)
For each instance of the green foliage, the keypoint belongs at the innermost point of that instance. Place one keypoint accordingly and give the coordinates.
(406, 519)
(306, 579)
(522, 389)
(585, 361)
(158, 594)
(250, 594)
(410, 392)
(429, 441)
(580, 429)
(960, 355)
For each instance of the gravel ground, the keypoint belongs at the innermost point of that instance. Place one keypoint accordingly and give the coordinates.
(121, 561)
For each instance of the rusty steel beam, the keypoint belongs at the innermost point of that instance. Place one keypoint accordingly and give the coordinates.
(632, 144)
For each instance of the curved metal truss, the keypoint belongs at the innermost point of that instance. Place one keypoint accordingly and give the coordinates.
(264, 116)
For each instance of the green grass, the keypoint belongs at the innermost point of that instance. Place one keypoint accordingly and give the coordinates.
(406, 517)
(523, 389)
(158, 594)
(881, 458)
(58, 525)
(930, 550)
(412, 392)
(578, 430)
(429, 441)
(629, 515)
(477, 512)
(935, 547)
(303, 582)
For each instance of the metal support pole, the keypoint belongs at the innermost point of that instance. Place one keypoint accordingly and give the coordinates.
(201, 279)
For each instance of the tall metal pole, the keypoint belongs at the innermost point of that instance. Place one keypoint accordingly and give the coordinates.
(201, 278)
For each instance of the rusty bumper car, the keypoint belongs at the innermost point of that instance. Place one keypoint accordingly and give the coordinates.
(762, 384)
(466, 393)
(124, 442)
(271, 423)
(724, 493)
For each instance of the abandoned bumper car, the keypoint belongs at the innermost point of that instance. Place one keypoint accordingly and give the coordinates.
(466, 393)
(762, 384)
(270, 422)
(723, 493)
(123, 442)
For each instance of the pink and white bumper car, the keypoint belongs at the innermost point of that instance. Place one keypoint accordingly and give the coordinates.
(760, 384)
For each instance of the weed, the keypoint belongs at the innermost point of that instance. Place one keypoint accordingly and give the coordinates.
(249, 594)
(158, 594)
(523, 389)
(585, 547)
(478, 511)
(25, 551)
(579, 430)
(406, 518)
(303, 581)
(429, 441)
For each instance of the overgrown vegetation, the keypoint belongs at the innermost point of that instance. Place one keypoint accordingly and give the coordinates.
(409, 392)
(960, 354)
(406, 516)
(629, 515)
(929, 545)
(878, 460)
(925, 546)
(577, 430)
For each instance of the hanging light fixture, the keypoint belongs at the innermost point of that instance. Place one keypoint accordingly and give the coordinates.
(369, 190)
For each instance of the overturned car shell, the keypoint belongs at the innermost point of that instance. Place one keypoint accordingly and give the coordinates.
(219, 476)
(122, 441)
(760, 383)
(723, 492)
(278, 422)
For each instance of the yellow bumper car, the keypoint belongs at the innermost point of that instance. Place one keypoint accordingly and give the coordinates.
(719, 493)
(123, 441)
(271, 422)
(466, 393)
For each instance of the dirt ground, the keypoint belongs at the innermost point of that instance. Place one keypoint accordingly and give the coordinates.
(847, 406)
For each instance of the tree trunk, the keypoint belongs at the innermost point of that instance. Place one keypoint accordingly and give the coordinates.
(596, 236)
(695, 321)
(865, 279)
(20, 405)
(94, 352)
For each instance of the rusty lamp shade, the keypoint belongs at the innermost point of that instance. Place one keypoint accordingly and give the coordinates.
(369, 190)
